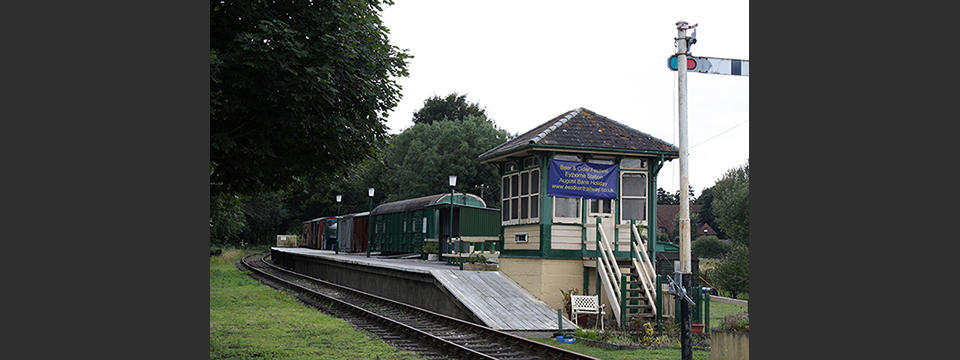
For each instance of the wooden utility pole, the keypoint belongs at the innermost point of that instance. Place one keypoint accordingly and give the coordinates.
(686, 332)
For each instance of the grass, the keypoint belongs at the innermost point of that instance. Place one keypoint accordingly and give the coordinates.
(249, 320)
(718, 310)
(708, 263)
(606, 354)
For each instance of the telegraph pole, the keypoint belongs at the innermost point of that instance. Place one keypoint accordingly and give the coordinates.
(686, 331)
(681, 62)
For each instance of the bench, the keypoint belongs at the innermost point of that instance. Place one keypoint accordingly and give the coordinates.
(585, 304)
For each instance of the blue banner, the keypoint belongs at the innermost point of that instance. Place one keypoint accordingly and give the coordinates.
(582, 180)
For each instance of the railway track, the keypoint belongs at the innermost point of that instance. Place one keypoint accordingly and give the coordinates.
(429, 334)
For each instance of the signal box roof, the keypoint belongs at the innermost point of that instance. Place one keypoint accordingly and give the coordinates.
(582, 130)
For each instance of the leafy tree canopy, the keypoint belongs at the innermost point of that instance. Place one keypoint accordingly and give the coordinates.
(665, 198)
(422, 157)
(452, 107)
(226, 220)
(705, 200)
(732, 273)
(731, 204)
(264, 214)
(297, 87)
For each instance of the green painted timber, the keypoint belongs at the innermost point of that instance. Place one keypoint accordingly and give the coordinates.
(404, 231)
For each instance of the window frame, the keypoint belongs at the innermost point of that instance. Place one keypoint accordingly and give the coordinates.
(568, 220)
(643, 163)
(517, 199)
(600, 212)
(645, 197)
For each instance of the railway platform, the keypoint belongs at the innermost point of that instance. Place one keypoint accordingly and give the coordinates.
(484, 297)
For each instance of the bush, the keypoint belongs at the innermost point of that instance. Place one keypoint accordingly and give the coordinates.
(430, 247)
(735, 322)
(732, 273)
(478, 259)
(567, 306)
(709, 247)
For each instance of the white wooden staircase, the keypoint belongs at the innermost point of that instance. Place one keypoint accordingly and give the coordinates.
(628, 284)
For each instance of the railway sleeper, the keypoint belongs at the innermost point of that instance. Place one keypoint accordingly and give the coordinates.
(455, 337)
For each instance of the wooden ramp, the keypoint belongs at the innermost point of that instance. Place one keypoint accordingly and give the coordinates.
(494, 298)
(500, 302)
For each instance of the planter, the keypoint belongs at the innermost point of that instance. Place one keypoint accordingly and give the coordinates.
(480, 267)
(729, 344)
(697, 328)
(433, 257)
(587, 321)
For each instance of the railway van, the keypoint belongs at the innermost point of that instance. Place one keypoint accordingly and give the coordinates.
(320, 233)
(353, 232)
(402, 227)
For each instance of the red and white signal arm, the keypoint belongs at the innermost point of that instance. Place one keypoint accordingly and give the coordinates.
(707, 65)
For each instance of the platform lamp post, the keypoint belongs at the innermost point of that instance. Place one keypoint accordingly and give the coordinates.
(336, 246)
(453, 182)
(372, 229)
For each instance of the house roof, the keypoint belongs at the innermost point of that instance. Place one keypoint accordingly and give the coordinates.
(583, 129)
(706, 230)
(666, 214)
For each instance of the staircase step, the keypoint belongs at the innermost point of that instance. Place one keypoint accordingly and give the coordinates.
(643, 315)
(647, 307)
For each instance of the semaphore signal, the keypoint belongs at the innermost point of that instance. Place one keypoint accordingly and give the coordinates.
(706, 65)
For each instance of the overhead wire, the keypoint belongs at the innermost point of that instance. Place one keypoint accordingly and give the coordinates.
(711, 138)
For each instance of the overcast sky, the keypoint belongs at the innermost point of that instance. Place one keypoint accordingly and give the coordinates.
(526, 62)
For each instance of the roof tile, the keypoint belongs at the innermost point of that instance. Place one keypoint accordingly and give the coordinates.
(584, 128)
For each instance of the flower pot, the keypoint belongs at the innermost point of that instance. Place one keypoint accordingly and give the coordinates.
(697, 328)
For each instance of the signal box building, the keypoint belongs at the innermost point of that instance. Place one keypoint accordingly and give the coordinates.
(562, 178)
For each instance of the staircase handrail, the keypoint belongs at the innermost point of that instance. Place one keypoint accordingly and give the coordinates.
(645, 268)
(604, 264)
(608, 256)
(641, 252)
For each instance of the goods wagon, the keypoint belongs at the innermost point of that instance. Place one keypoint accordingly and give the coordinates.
(320, 233)
(402, 227)
(353, 232)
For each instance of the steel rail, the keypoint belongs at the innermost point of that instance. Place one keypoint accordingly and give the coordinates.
(534, 348)
(449, 347)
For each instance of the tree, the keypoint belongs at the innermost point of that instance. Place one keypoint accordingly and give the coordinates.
(226, 219)
(265, 214)
(706, 211)
(664, 198)
(709, 247)
(731, 204)
(452, 107)
(296, 88)
(732, 273)
(315, 198)
(422, 157)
